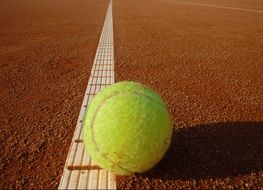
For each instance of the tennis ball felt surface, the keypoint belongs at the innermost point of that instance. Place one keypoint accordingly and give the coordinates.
(127, 128)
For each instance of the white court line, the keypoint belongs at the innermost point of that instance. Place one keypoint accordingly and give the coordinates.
(80, 172)
(216, 6)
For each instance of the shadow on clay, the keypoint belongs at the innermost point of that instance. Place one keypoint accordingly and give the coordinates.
(216, 150)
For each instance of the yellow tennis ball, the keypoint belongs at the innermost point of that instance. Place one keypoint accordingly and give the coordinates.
(127, 128)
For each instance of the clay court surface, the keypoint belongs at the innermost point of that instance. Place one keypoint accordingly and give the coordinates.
(204, 57)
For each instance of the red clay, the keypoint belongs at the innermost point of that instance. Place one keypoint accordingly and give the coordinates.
(46, 53)
(207, 64)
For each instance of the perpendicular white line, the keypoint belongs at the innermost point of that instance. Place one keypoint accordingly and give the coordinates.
(78, 171)
(216, 6)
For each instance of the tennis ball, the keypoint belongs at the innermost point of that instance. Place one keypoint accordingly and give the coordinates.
(127, 128)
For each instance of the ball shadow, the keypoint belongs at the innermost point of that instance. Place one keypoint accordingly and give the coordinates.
(212, 151)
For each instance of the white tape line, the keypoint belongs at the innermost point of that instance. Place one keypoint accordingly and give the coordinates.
(80, 172)
(215, 6)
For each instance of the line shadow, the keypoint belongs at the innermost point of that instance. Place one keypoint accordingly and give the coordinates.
(216, 150)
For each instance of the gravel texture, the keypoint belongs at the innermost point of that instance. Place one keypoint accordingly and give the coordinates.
(205, 62)
(47, 49)
(207, 65)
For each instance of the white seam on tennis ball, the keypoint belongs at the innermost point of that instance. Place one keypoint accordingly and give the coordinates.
(95, 114)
